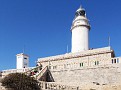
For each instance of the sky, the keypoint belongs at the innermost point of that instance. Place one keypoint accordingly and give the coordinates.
(42, 27)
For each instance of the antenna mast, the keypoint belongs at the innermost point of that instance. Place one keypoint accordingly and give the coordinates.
(109, 41)
(24, 49)
(67, 48)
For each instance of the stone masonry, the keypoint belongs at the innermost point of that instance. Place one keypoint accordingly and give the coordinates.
(97, 66)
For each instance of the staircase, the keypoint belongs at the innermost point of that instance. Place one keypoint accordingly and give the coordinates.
(37, 72)
(41, 73)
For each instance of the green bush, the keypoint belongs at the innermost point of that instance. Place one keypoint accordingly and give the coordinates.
(19, 81)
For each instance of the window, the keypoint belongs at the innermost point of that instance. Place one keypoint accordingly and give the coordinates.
(114, 60)
(117, 60)
(49, 67)
(25, 64)
(81, 64)
(76, 14)
(25, 58)
(54, 67)
(96, 62)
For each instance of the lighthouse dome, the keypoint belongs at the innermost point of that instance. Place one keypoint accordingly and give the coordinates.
(80, 12)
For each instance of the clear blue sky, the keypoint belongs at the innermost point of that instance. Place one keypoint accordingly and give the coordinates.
(43, 27)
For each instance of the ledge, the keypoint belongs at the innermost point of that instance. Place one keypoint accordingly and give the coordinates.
(76, 55)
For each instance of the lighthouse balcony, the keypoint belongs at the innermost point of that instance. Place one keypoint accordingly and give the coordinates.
(80, 25)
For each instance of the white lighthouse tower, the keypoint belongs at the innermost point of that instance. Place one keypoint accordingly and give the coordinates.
(22, 61)
(80, 30)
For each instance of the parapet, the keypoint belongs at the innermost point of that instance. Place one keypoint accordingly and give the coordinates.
(22, 54)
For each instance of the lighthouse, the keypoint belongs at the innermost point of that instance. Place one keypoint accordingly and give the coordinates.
(80, 31)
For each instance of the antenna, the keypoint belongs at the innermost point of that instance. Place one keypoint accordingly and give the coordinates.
(24, 49)
(80, 6)
(109, 41)
(67, 48)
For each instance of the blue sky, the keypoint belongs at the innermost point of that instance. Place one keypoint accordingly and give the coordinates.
(43, 27)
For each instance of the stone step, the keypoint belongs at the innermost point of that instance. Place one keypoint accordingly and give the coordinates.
(39, 73)
(38, 76)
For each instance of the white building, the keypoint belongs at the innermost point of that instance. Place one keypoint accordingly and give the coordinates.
(22, 65)
(22, 61)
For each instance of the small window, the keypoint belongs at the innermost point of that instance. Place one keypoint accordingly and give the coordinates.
(114, 60)
(81, 64)
(25, 63)
(117, 60)
(49, 67)
(25, 58)
(54, 67)
(96, 62)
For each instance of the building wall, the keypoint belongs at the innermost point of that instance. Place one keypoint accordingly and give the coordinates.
(19, 62)
(99, 74)
(79, 62)
(97, 66)
(80, 39)
(22, 61)
(6, 72)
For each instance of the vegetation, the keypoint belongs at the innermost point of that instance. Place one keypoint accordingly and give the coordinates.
(19, 81)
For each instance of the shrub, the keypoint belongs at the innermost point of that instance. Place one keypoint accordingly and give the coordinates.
(19, 81)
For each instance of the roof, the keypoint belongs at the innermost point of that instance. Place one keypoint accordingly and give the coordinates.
(22, 54)
(78, 54)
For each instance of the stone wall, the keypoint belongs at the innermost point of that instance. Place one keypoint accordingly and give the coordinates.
(6, 72)
(103, 75)
(57, 86)
(92, 66)
(79, 62)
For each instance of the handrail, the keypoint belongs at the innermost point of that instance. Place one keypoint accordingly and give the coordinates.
(32, 69)
(41, 72)
(37, 75)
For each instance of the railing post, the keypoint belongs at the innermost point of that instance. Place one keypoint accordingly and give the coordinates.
(77, 88)
(44, 86)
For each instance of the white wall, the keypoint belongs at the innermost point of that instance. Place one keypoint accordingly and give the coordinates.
(80, 39)
(22, 61)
